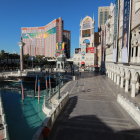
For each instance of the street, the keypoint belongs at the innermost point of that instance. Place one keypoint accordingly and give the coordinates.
(92, 113)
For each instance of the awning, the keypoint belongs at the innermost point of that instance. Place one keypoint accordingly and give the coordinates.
(82, 62)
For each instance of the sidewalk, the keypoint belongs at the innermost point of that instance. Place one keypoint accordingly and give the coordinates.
(127, 95)
(92, 113)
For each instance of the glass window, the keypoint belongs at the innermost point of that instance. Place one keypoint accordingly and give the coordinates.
(106, 16)
(101, 18)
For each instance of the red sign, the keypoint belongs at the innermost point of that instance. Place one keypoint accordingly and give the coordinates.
(90, 50)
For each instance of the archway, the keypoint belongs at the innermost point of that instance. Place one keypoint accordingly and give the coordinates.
(87, 42)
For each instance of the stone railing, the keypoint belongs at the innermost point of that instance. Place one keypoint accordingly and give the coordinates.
(131, 108)
(51, 116)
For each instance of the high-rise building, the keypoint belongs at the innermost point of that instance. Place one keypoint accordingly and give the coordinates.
(66, 39)
(103, 13)
(43, 40)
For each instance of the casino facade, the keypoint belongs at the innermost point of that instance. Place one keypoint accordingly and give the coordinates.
(43, 40)
(85, 54)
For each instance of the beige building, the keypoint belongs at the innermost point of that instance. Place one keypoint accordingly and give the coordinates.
(103, 13)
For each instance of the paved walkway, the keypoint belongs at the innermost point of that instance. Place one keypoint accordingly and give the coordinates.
(93, 113)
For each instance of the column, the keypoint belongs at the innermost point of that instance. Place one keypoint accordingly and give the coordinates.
(133, 91)
(118, 79)
(137, 85)
(21, 58)
(122, 79)
(21, 45)
(112, 76)
(126, 85)
(115, 76)
(134, 55)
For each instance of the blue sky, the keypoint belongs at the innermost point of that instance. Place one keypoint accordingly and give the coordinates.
(15, 14)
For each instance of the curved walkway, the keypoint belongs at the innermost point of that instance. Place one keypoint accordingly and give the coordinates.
(93, 113)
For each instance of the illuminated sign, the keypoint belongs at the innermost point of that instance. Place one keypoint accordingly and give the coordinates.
(90, 50)
(77, 50)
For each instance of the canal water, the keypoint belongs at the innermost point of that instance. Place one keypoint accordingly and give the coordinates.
(23, 118)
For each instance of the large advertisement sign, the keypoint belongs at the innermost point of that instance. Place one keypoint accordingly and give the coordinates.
(77, 50)
(90, 50)
(60, 48)
(83, 49)
(126, 30)
(39, 34)
(115, 31)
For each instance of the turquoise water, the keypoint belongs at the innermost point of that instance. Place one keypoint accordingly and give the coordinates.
(23, 118)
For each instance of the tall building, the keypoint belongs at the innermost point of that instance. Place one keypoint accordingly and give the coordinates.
(103, 13)
(85, 54)
(43, 40)
(66, 39)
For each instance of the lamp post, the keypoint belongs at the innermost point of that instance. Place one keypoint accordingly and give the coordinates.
(59, 86)
(21, 44)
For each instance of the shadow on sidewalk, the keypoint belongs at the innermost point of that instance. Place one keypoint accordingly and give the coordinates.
(87, 127)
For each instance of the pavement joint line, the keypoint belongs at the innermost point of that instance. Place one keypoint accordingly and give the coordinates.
(95, 94)
(96, 100)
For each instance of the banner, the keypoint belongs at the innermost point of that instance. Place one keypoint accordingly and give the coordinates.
(39, 34)
(115, 31)
(77, 50)
(90, 50)
(126, 30)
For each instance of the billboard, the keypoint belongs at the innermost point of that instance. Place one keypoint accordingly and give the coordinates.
(39, 34)
(90, 50)
(83, 49)
(115, 31)
(126, 30)
(77, 50)
(60, 48)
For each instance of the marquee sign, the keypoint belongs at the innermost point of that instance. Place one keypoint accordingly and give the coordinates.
(87, 23)
(90, 50)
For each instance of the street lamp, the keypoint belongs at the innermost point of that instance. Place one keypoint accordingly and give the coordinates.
(21, 44)
(59, 86)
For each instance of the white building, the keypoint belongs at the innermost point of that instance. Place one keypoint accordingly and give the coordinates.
(125, 71)
(85, 54)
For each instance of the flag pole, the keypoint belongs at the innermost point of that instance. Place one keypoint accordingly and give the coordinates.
(35, 85)
(38, 91)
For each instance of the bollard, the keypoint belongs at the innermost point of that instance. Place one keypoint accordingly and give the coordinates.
(73, 78)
